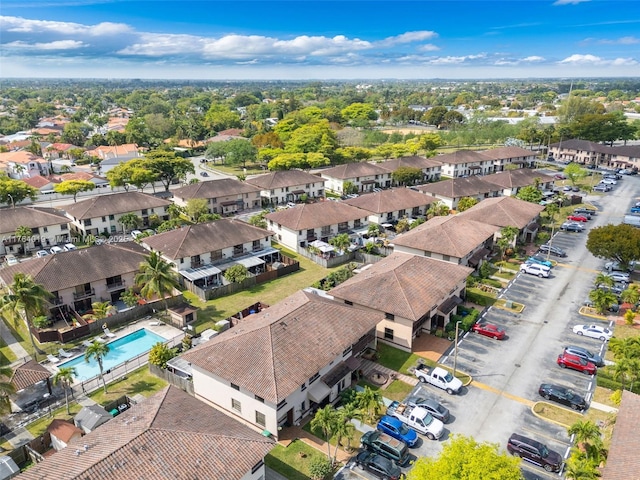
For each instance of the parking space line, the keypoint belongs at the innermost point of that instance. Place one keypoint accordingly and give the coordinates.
(538, 433)
(502, 393)
(539, 472)
(582, 269)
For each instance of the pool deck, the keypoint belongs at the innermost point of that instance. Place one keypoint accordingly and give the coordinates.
(150, 323)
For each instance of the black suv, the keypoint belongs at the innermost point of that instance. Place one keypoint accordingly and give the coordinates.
(534, 452)
(377, 465)
(562, 395)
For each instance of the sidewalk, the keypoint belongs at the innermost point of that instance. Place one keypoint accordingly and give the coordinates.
(368, 367)
(13, 344)
(603, 407)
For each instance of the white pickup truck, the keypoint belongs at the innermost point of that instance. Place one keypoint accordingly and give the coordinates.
(439, 377)
(417, 418)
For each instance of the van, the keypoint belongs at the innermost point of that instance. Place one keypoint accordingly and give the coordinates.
(11, 259)
(386, 446)
(534, 452)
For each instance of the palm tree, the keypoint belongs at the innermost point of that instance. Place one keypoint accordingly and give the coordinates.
(625, 347)
(65, 376)
(6, 389)
(370, 403)
(326, 419)
(98, 351)
(585, 431)
(631, 295)
(579, 467)
(101, 309)
(24, 233)
(129, 221)
(156, 278)
(602, 279)
(602, 300)
(343, 429)
(25, 297)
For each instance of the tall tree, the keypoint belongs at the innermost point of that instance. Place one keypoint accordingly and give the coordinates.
(129, 221)
(438, 209)
(465, 458)
(98, 351)
(156, 277)
(465, 203)
(15, 191)
(530, 193)
(24, 234)
(619, 242)
(574, 172)
(325, 419)
(64, 376)
(196, 208)
(370, 404)
(6, 389)
(73, 187)
(24, 300)
(167, 166)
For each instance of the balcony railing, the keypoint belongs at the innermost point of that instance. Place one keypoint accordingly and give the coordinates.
(55, 301)
(84, 294)
(196, 264)
(114, 285)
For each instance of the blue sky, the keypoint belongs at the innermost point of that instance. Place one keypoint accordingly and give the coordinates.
(293, 40)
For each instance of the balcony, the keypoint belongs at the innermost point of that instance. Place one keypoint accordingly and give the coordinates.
(114, 285)
(197, 264)
(55, 301)
(87, 293)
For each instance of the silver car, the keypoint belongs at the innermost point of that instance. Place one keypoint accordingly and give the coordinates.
(436, 409)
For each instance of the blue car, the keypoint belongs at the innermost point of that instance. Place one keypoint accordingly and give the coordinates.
(539, 260)
(398, 430)
(635, 209)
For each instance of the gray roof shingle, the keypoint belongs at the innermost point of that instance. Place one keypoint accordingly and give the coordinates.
(459, 187)
(284, 178)
(316, 215)
(223, 187)
(391, 200)
(32, 217)
(504, 212)
(354, 170)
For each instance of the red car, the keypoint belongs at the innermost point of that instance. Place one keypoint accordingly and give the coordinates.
(577, 218)
(489, 330)
(567, 360)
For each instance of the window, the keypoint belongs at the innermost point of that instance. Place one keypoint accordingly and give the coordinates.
(235, 387)
(347, 351)
(236, 405)
(260, 399)
(45, 229)
(113, 229)
(314, 378)
(389, 316)
(144, 211)
(87, 222)
(257, 466)
(348, 302)
(112, 217)
(64, 227)
(216, 255)
(261, 419)
(388, 334)
(104, 219)
(214, 200)
(281, 405)
(302, 405)
(303, 387)
(446, 258)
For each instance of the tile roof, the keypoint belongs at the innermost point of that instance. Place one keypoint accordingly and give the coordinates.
(79, 176)
(521, 177)
(204, 237)
(63, 430)
(391, 200)
(84, 265)
(20, 156)
(284, 178)
(114, 151)
(38, 181)
(233, 132)
(584, 145)
(223, 187)
(169, 435)
(503, 153)
(453, 235)
(353, 170)
(623, 462)
(275, 351)
(115, 203)
(316, 215)
(32, 217)
(405, 285)
(411, 162)
(504, 212)
(462, 156)
(459, 187)
(28, 374)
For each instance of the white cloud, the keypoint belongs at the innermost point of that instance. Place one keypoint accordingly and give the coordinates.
(23, 25)
(428, 47)
(533, 58)
(57, 45)
(569, 2)
(588, 59)
(408, 37)
(453, 60)
(630, 40)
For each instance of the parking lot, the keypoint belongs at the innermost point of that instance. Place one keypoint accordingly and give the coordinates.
(507, 374)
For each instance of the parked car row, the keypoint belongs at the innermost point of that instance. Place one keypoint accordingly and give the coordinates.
(67, 247)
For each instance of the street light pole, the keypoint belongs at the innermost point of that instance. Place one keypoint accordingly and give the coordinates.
(455, 349)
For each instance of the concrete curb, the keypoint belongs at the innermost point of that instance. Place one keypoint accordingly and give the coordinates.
(542, 417)
(585, 312)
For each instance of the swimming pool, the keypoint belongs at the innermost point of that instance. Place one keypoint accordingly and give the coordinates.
(120, 351)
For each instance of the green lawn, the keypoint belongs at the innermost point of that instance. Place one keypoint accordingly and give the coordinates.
(6, 354)
(396, 359)
(269, 292)
(354, 441)
(38, 427)
(138, 381)
(293, 461)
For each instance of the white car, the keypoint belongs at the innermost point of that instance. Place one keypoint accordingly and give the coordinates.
(55, 250)
(615, 266)
(620, 277)
(135, 233)
(41, 253)
(608, 181)
(68, 247)
(535, 269)
(593, 331)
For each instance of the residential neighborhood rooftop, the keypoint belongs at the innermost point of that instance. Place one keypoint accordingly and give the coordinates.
(355, 169)
(273, 352)
(196, 239)
(116, 203)
(32, 217)
(403, 284)
(214, 189)
(391, 200)
(316, 215)
(504, 212)
(166, 436)
(283, 178)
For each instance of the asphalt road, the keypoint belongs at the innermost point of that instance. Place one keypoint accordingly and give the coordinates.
(507, 373)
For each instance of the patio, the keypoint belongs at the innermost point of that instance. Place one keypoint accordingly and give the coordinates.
(431, 347)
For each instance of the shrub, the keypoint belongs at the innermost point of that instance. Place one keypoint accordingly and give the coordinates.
(160, 354)
(486, 270)
(492, 282)
(320, 468)
(472, 281)
(348, 396)
(480, 298)
(542, 237)
(629, 315)
(616, 397)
